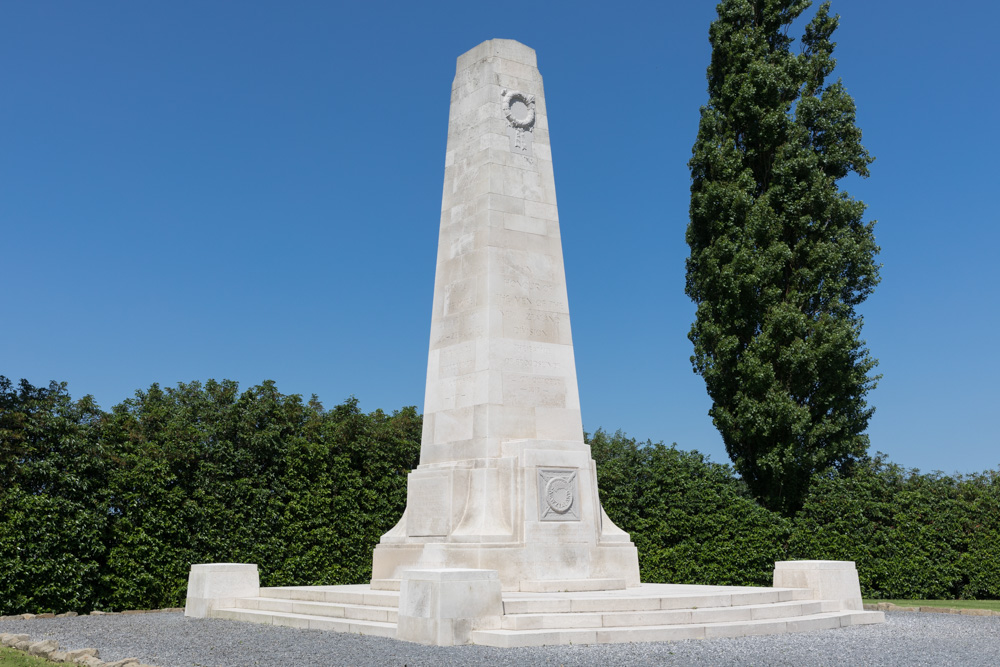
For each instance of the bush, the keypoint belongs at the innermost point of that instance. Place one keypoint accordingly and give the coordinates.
(53, 500)
(109, 510)
(207, 475)
(912, 535)
(692, 520)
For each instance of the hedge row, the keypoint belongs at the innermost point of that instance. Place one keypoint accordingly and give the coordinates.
(912, 535)
(107, 510)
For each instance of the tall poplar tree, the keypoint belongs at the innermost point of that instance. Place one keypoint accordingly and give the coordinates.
(780, 256)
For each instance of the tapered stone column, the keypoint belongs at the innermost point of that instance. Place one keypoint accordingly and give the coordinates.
(505, 480)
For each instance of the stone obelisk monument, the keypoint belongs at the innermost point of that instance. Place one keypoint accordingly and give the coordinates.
(505, 480)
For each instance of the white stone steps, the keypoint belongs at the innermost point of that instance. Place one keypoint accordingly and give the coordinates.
(357, 594)
(385, 584)
(572, 585)
(651, 633)
(360, 612)
(308, 621)
(535, 586)
(650, 612)
(547, 604)
(657, 617)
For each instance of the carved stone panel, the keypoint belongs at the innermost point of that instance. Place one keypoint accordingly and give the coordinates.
(558, 494)
(428, 503)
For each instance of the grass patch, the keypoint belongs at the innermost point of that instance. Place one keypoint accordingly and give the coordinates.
(992, 605)
(13, 658)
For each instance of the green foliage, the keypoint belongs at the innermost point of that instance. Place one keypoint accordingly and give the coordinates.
(780, 257)
(912, 535)
(692, 520)
(211, 475)
(109, 510)
(53, 503)
(346, 488)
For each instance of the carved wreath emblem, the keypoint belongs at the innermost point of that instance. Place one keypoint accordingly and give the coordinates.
(558, 494)
(519, 109)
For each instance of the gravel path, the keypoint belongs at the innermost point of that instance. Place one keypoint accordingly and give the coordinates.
(171, 640)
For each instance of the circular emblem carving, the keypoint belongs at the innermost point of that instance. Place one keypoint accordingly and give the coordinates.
(519, 109)
(559, 494)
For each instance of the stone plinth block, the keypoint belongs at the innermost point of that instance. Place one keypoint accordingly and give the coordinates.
(827, 579)
(215, 585)
(442, 607)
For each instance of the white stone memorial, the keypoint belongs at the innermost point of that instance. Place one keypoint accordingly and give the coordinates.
(504, 541)
(505, 480)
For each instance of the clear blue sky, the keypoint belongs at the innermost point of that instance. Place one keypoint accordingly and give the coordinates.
(251, 190)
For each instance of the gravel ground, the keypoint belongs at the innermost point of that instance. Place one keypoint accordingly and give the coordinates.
(171, 640)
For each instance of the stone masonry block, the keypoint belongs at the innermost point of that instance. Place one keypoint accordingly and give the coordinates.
(215, 585)
(442, 607)
(827, 579)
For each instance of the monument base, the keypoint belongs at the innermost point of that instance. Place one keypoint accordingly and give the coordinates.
(532, 514)
(528, 568)
(453, 606)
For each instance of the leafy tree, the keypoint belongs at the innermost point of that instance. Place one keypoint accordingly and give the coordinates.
(53, 506)
(204, 473)
(912, 535)
(692, 520)
(346, 487)
(780, 257)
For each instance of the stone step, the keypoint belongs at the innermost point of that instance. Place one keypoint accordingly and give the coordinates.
(777, 610)
(331, 609)
(507, 638)
(308, 621)
(515, 603)
(572, 585)
(355, 594)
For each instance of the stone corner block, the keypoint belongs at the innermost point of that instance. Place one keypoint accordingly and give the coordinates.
(827, 579)
(442, 607)
(215, 585)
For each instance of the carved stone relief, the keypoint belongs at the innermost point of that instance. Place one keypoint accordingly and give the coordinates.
(558, 494)
(519, 110)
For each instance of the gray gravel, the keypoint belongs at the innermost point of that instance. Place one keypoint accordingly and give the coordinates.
(171, 640)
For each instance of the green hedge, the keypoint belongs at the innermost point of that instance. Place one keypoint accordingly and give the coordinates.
(108, 510)
(54, 523)
(692, 521)
(912, 535)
